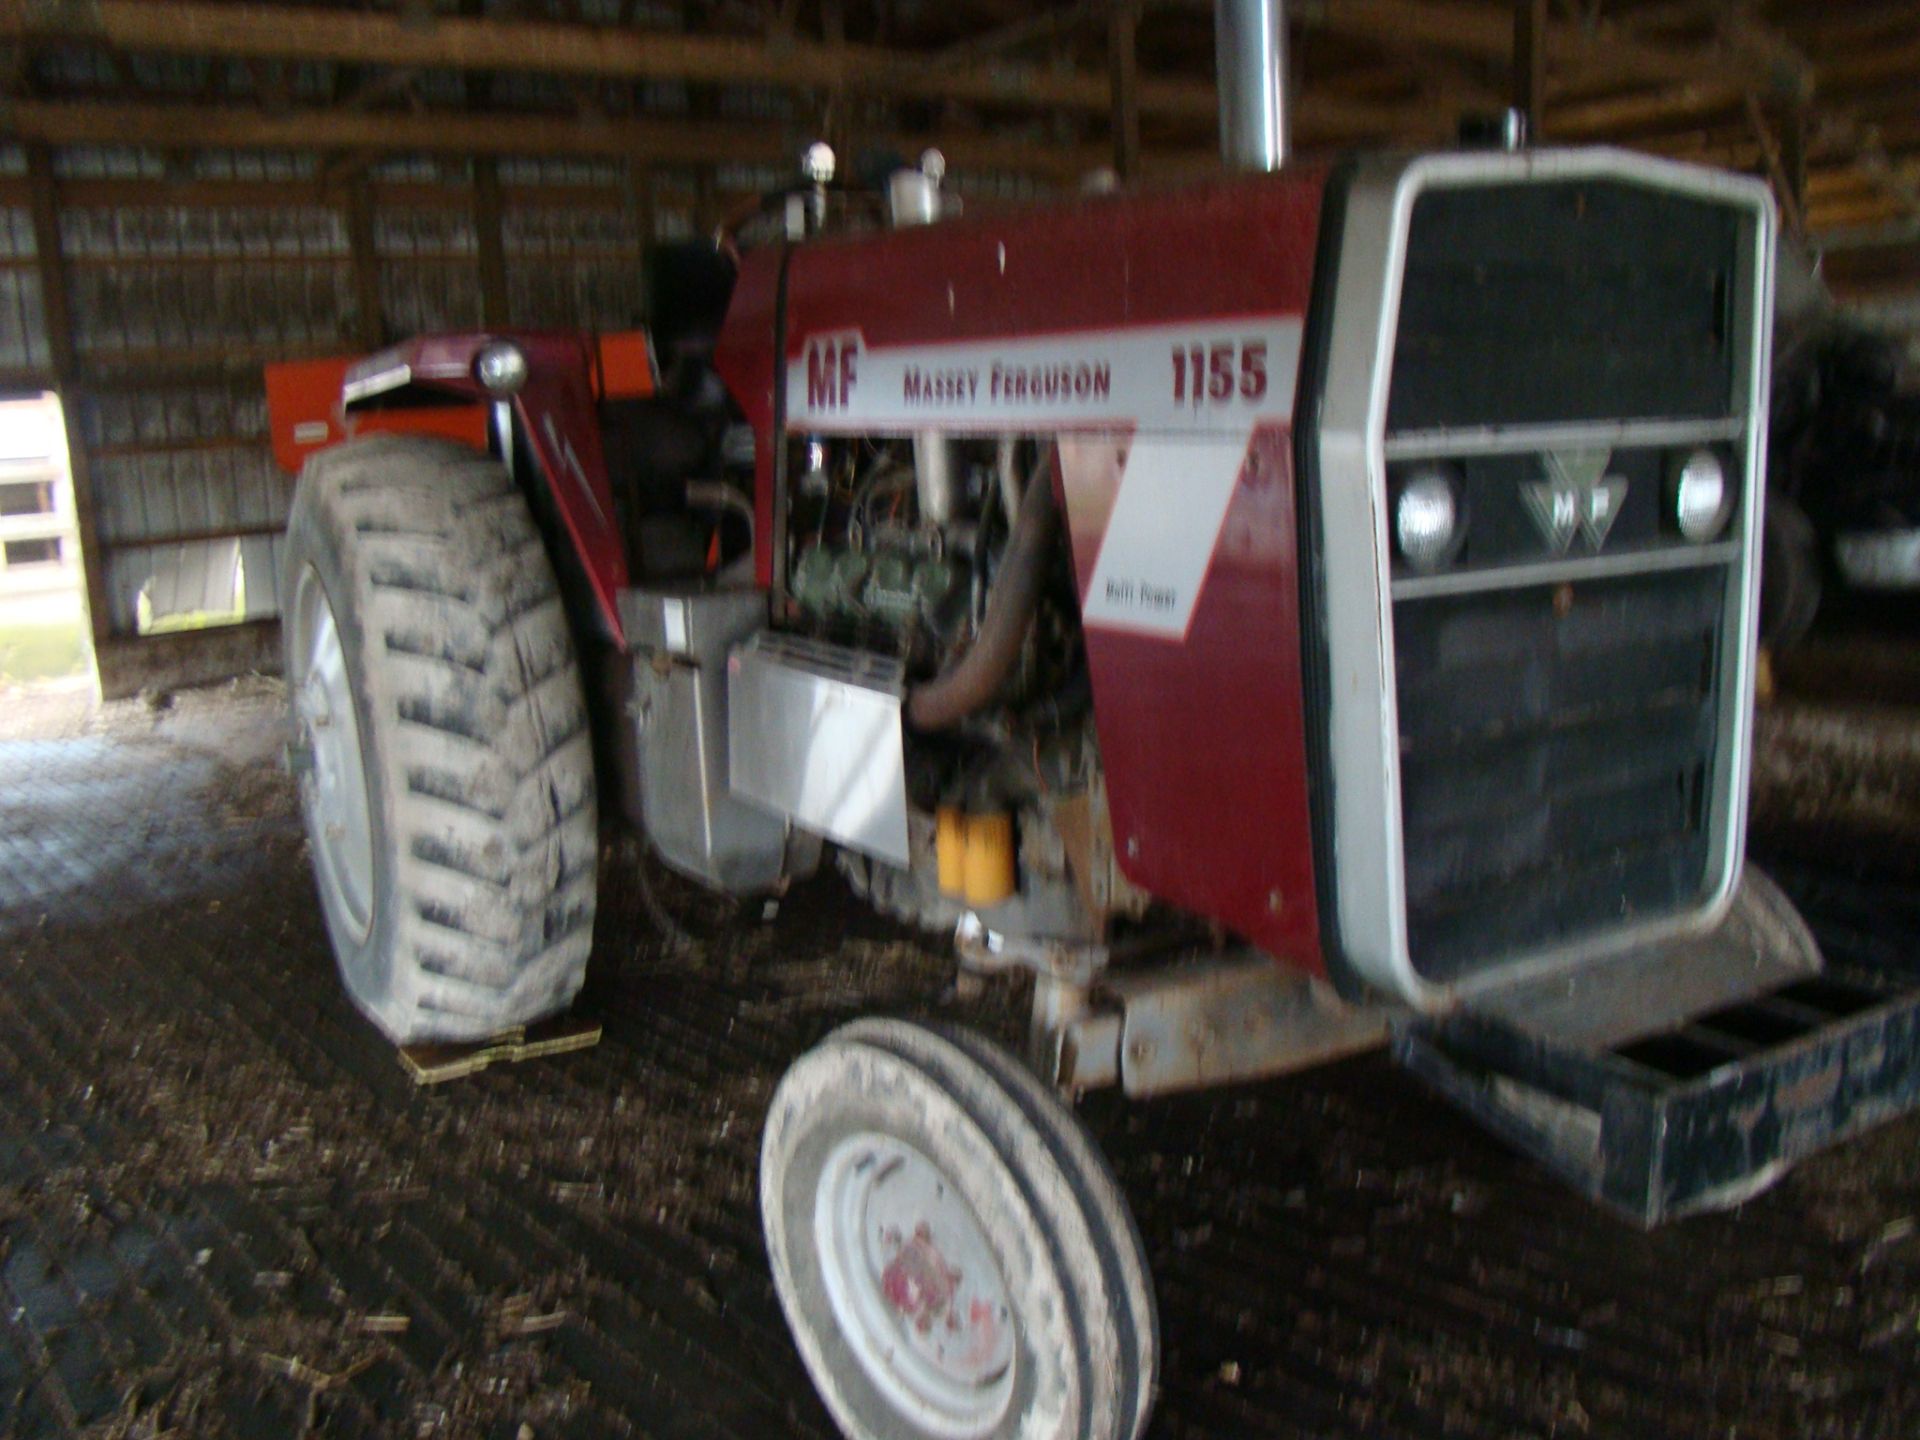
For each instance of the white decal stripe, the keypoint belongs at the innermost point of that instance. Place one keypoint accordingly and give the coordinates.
(1144, 376)
(1166, 521)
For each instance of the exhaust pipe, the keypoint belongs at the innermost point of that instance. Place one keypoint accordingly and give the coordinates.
(1250, 54)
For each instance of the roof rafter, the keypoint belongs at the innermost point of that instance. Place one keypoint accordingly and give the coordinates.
(196, 27)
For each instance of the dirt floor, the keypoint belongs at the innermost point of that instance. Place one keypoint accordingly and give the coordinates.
(226, 1211)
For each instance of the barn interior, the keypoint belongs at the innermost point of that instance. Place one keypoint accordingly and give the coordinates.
(226, 1210)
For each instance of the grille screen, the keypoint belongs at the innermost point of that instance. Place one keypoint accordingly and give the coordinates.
(1576, 300)
(1555, 760)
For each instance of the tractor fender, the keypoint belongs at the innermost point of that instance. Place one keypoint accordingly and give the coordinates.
(429, 385)
(556, 421)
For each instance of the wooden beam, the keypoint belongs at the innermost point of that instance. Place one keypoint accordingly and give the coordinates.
(1479, 31)
(1875, 270)
(1789, 182)
(1826, 184)
(268, 194)
(1646, 110)
(1021, 34)
(1571, 50)
(1870, 63)
(1324, 121)
(1874, 209)
(663, 142)
(644, 190)
(1793, 153)
(1530, 63)
(49, 256)
(490, 243)
(259, 31)
(370, 322)
(1123, 57)
(174, 661)
(56, 312)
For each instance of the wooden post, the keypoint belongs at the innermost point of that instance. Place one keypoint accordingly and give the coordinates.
(50, 262)
(1123, 55)
(489, 218)
(1793, 158)
(706, 205)
(370, 324)
(1789, 177)
(645, 190)
(1530, 64)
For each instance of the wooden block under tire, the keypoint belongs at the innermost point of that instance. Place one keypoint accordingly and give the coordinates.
(433, 1064)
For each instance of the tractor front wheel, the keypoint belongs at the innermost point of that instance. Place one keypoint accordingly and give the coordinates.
(440, 732)
(953, 1257)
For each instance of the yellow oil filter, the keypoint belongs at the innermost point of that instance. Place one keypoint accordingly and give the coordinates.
(950, 849)
(989, 859)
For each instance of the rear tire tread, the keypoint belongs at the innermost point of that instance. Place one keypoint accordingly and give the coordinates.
(473, 687)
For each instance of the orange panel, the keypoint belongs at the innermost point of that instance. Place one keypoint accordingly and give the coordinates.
(303, 408)
(303, 412)
(303, 402)
(626, 365)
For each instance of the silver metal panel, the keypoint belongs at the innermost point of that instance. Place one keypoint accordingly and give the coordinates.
(1369, 872)
(1760, 946)
(1584, 435)
(815, 735)
(375, 375)
(1250, 58)
(1225, 1020)
(691, 623)
(1547, 572)
(680, 709)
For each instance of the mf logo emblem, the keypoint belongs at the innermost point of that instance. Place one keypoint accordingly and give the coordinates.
(1577, 497)
(833, 368)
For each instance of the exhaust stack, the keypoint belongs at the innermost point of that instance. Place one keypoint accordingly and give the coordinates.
(1250, 54)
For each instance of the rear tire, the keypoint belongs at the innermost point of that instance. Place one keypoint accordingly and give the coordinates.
(449, 791)
(893, 1154)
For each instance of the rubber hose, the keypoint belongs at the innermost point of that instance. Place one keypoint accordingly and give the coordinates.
(976, 677)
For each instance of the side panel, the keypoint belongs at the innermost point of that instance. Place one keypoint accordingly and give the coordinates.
(1099, 321)
(1203, 735)
(743, 356)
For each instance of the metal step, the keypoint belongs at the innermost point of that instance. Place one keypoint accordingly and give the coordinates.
(1659, 1109)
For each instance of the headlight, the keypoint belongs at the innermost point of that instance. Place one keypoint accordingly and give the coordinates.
(1700, 496)
(1427, 517)
(501, 368)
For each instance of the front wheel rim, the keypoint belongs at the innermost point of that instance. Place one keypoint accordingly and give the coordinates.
(914, 1287)
(333, 791)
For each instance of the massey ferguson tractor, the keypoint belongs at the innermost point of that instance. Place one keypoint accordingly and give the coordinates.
(1285, 614)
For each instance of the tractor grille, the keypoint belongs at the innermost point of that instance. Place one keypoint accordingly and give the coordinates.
(1577, 300)
(1556, 745)
(1558, 737)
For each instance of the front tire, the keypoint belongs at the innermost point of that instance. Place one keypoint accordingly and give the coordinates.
(448, 787)
(953, 1266)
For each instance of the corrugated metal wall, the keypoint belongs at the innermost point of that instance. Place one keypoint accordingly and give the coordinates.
(23, 323)
(183, 282)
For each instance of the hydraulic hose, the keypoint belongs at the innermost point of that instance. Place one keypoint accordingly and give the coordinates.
(976, 677)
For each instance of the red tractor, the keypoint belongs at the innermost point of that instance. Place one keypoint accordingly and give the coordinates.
(1286, 614)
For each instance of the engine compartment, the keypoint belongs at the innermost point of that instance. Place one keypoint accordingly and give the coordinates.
(946, 555)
